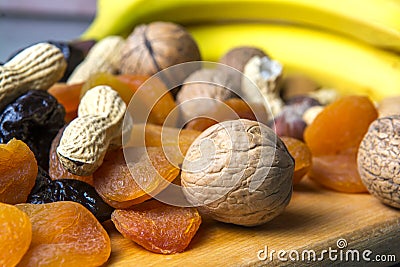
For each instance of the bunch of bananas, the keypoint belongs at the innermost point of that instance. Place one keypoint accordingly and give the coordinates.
(352, 46)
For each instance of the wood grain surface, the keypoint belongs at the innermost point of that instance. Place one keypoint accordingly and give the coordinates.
(315, 219)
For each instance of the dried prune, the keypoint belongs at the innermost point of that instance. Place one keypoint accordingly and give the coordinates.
(48, 191)
(16, 234)
(65, 234)
(158, 227)
(34, 118)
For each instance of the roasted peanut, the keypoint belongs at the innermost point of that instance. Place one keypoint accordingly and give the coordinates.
(105, 56)
(87, 138)
(37, 67)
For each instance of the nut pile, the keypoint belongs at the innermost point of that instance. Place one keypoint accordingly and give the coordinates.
(111, 140)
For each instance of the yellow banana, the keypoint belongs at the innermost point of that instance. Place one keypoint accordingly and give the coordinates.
(347, 65)
(376, 22)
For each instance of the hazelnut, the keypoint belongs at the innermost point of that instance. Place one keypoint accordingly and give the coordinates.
(202, 91)
(238, 172)
(157, 46)
(378, 160)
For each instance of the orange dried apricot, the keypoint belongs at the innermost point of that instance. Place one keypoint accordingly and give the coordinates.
(302, 157)
(18, 170)
(56, 169)
(340, 126)
(158, 227)
(334, 137)
(200, 124)
(151, 173)
(65, 234)
(337, 172)
(156, 135)
(153, 100)
(123, 89)
(16, 234)
(230, 109)
(67, 95)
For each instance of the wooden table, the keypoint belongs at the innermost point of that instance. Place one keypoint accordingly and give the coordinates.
(315, 219)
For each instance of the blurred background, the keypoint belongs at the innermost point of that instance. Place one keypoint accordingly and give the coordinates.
(23, 22)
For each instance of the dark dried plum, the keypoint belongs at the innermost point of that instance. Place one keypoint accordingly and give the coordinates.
(48, 191)
(34, 118)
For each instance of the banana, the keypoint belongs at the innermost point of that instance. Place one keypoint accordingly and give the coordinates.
(350, 66)
(376, 22)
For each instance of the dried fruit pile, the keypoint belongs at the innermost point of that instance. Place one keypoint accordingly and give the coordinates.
(105, 140)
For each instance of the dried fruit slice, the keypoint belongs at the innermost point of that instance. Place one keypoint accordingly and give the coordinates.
(230, 109)
(154, 103)
(154, 135)
(16, 234)
(56, 169)
(18, 170)
(340, 126)
(67, 95)
(334, 137)
(302, 157)
(65, 234)
(158, 227)
(337, 172)
(121, 186)
(123, 89)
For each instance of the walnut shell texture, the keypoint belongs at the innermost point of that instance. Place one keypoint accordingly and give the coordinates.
(238, 172)
(379, 162)
(202, 90)
(157, 46)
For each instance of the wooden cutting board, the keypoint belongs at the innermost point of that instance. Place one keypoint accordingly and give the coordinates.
(315, 219)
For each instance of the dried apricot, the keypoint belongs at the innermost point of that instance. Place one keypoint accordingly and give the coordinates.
(18, 170)
(337, 172)
(122, 186)
(56, 169)
(230, 109)
(123, 89)
(340, 126)
(16, 234)
(334, 137)
(65, 234)
(158, 227)
(67, 95)
(302, 157)
(153, 101)
(156, 135)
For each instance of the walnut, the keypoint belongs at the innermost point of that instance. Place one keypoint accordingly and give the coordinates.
(238, 172)
(202, 91)
(379, 162)
(157, 46)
